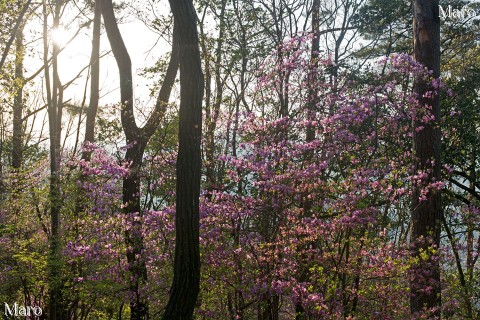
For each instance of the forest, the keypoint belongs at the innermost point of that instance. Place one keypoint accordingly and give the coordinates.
(239, 159)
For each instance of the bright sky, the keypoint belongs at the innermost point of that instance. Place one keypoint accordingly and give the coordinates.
(142, 44)
(76, 56)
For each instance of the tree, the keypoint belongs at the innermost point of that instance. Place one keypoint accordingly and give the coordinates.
(137, 139)
(95, 82)
(17, 25)
(460, 156)
(312, 101)
(17, 141)
(309, 165)
(186, 277)
(353, 180)
(387, 25)
(426, 210)
(54, 101)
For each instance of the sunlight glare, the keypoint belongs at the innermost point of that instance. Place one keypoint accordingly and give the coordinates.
(60, 36)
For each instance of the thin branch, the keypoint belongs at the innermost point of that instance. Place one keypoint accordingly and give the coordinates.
(14, 32)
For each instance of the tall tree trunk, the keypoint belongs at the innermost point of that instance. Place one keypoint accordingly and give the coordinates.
(81, 196)
(95, 79)
(93, 103)
(426, 215)
(133, 236)
(17, 139)
(137, 139)
(131, 187)
(186, 274)
(211, 114)
(54, 100)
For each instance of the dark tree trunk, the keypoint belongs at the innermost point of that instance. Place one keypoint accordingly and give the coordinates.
(269, 308)
(186, 277)
(134, 237)
(17, 136)
(81, 196)
(137, 139)
(426, 215)
(95, 78)
(124, 64)
(131, 187)
(93, 103)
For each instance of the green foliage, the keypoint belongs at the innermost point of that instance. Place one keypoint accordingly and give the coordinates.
(108, 128)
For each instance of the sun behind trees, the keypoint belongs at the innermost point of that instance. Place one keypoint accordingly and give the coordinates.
(287, 166)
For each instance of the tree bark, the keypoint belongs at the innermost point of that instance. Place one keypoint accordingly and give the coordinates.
(95, 79)
(137, 139)
(17, 139)
(54, 99)
(131, 183)
(212, 112)
(186, 277)
(426, 215)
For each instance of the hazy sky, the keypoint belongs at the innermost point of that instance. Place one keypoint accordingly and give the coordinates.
(140, 42)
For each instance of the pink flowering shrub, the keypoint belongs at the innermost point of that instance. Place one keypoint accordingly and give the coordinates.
(316, 226)
(95, 252)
